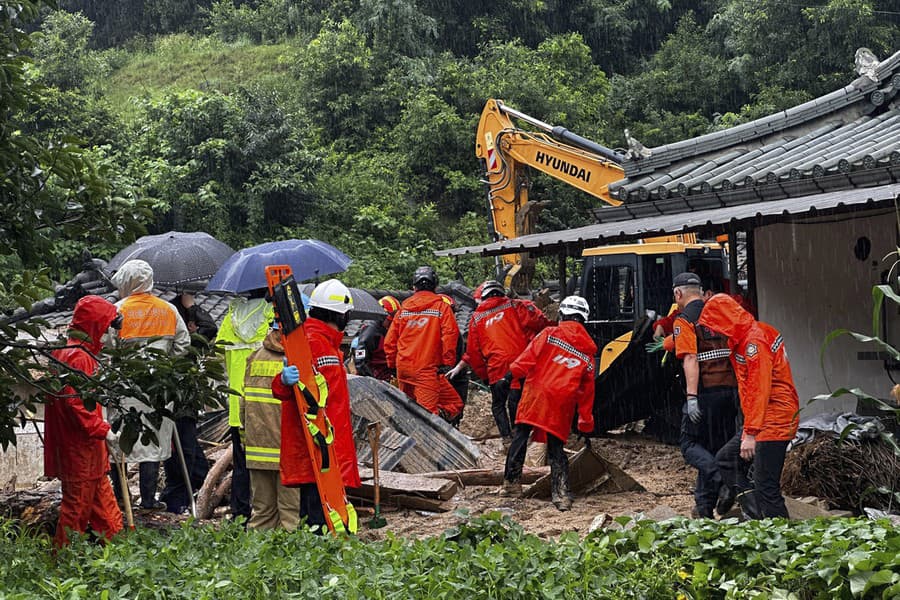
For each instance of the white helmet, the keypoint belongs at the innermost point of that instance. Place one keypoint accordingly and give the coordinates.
(575, 305)
(332, 295)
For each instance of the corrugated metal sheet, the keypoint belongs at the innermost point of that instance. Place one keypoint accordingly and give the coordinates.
(594, 235)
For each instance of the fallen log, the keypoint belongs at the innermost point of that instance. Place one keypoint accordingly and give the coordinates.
(208, 498)
(467, 477)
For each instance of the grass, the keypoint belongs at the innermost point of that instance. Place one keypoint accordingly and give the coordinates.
(182, 62)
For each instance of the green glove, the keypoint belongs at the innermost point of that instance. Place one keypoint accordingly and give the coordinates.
(655, 346)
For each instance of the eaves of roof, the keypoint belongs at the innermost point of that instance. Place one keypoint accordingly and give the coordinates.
(572, 241)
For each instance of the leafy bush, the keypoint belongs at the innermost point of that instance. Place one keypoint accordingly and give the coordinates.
(490, 557)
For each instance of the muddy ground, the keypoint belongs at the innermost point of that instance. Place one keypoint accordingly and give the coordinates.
(658, 467)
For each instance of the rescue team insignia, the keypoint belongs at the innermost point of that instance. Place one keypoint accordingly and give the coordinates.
(677, 330)
(751, 350)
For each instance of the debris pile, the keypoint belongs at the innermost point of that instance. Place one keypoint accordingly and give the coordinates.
(848, 474)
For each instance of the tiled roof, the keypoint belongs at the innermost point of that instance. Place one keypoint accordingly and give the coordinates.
(846, 139)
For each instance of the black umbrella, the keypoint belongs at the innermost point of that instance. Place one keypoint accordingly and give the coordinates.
(365, 306)
(177, 258)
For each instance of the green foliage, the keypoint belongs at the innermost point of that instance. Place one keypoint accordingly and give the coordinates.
(489, 557)
(62, 51)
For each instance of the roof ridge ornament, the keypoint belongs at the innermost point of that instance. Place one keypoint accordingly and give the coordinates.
(636, 150)
(866, 63)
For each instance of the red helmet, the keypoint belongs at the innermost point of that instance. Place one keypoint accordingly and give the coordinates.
(476, 295)
(390, 305)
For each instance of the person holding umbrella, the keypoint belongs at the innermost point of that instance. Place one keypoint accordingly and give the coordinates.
(76, 443)
(151, 321)
(177, 493)
(329, 310)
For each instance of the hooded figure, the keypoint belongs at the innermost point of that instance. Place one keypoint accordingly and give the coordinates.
(243, 331)
(75, 445)
(148, 321)
(769, 403)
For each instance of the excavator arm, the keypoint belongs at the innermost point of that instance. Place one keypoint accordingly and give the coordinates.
(507, 151)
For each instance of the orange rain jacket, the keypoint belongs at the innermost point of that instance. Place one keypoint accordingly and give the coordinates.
(558, 367)
(75, 445)
(296, 465)
(423, 335)
(499, 331)
(769, 399)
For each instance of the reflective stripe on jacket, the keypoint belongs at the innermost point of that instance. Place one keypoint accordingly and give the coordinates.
(769, 399)
(558, 367)
(423, 334)
(260, 410)
(499, 331)
(296, 466)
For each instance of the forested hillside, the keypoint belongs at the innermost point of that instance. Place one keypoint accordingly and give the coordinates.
(353, 121)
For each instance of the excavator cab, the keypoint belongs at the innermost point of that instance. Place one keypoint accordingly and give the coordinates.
(628, 287)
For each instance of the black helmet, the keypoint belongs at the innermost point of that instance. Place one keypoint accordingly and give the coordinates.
(425, 278)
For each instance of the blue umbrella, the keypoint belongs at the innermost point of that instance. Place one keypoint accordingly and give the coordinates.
(246, 269)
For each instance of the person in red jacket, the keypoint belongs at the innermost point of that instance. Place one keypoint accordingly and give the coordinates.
(558, 368)
(421, 346)
(329, 310)
(76, 439)
(499, 331)
(769, 403)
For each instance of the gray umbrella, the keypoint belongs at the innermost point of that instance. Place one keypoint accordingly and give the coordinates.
(177, 258)
(365, 306)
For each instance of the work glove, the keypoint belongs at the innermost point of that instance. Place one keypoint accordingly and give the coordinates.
(444, 369)
(455, 371)
(112, 444)
(655, 346)
(693, 409)
(290, 375)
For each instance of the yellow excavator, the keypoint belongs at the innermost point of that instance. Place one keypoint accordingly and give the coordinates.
(625, 285)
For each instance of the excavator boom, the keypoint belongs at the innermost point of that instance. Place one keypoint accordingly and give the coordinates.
(508, 151)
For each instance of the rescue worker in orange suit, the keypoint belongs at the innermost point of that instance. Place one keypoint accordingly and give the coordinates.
(368, 357)
(421, 346)
(558, 369)
(769, 402)
(499, 331)
(76, 441)
(710, 410)
(329, 310)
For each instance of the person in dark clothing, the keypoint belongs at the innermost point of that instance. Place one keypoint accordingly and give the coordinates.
(368, 357)
(175, 494)
(708, 418)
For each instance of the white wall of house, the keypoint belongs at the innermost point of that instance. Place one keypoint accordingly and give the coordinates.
(809, 282)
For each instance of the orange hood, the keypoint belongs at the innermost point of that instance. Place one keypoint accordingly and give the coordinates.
(723, 314)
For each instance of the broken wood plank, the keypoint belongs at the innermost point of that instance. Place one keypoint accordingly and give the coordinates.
(467, 477)
(404, 501)
(589, 473)
(404, 483)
